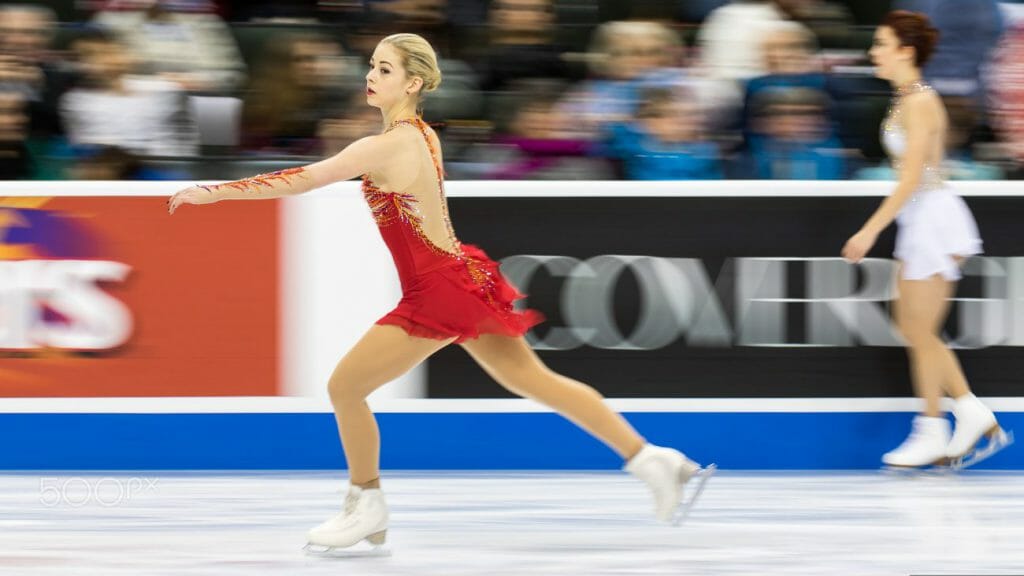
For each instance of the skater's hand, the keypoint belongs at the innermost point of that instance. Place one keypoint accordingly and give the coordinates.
(190, 195)
(858, 246)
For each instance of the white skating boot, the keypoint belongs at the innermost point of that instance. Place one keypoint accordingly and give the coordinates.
(974, 421)
(364, 517)
(925, 446)
(666, 471)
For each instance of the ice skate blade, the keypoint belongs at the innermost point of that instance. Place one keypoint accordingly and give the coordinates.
(931, 470)
(996, 441)
(991, 433)
(701, 477)
(360, 550)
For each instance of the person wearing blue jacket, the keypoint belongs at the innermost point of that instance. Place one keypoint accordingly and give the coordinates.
(664, 141)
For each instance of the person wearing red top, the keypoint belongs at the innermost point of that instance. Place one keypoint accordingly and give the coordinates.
(452, 293)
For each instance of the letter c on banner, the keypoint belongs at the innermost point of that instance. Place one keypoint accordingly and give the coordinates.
(667, 300)
(519, 270)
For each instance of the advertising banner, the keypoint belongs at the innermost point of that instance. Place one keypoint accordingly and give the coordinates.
(732, 296)
(110, 296)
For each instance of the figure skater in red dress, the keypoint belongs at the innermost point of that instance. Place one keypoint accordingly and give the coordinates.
(452, 293)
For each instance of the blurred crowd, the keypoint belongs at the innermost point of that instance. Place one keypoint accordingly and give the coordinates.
(532, 89)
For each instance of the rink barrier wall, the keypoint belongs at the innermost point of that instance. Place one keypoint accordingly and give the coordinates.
(736, 440)
(296, 431)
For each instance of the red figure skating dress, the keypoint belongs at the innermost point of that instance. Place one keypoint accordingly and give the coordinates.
(447, 292)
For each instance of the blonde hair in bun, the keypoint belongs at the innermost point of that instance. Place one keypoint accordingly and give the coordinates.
(418, 59)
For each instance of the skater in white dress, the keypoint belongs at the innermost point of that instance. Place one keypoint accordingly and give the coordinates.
(936, 232)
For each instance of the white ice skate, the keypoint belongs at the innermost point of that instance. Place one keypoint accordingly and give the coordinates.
(364, 519)
(666, 471)
(974, 421)
(924, 447)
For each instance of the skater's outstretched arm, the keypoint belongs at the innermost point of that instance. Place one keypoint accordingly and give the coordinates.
(361, 157)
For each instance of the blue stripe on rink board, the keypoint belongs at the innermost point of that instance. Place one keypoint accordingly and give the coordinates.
(460, 441)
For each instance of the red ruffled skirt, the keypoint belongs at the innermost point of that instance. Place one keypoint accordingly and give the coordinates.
(468, 298)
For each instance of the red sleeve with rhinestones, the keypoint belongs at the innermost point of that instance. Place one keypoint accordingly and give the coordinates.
(271, 185)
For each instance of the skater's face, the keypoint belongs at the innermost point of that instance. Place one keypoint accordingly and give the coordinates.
(888, 55)
(387, 83)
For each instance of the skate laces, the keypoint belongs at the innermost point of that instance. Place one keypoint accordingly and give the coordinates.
(348, 511)
(351, 500)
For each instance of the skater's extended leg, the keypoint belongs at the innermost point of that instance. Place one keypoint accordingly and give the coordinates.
(514, 365)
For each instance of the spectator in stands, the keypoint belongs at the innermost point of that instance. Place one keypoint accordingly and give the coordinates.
(665, 142)
(520, 44)
(1007, 98)
(731, 42)
(300, 81)
(829, 22)
(793, 141)
(790, 61)
(14, 159)
(182, 41)
(29, 66)
(625, 57)
(537, 142)
(428, 18)
(790, 49)
(115, 107)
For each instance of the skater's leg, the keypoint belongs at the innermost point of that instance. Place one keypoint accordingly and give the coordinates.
(920, 313)
(381, 355)
(514, 365)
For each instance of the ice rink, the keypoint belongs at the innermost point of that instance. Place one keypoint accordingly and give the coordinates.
(512, 523)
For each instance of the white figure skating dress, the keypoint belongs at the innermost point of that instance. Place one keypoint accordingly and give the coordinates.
(935, 226)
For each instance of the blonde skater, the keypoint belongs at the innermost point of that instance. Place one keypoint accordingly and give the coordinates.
(936, 233)
(452, 293)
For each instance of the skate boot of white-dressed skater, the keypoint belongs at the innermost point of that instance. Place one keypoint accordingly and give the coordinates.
(364, 518)
(925, 446)
(974, 422)
(666, 472)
